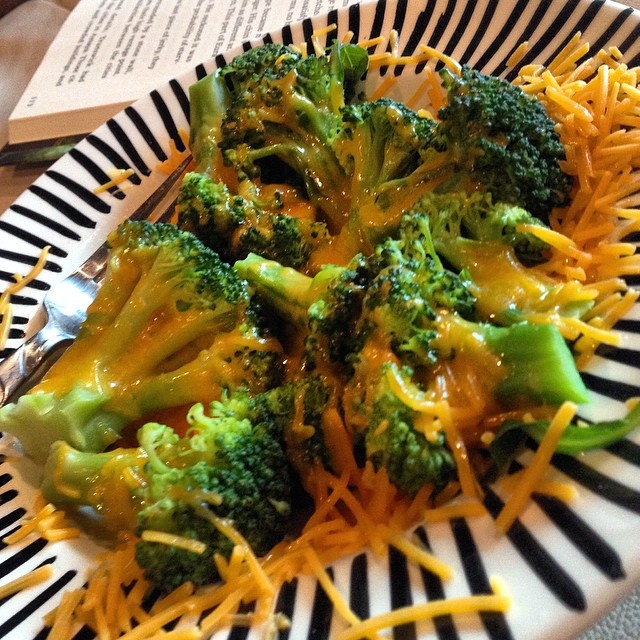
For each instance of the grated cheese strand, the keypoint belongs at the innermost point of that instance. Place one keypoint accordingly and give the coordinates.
(534, 472)
(457, 510)
(329, 588)
(62, 623)
(173, 540)
(6, 308)
(25, 581)
(421, 557)
(432, 609)
(118, 176)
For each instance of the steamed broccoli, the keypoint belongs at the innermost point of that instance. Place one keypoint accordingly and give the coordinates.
(403, 300)
(234, 226)
(314, 434)
(172, 324)
(328, 311)
(282, 109)
(401, 307)
(230, 464)
(490, 138)
(483, 239)
(380, 146)
(363, 163)
(502, 141)
(391, 441)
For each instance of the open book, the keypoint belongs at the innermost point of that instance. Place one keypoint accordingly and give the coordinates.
(110, 52)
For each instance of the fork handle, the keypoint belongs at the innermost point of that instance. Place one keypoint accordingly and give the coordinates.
(24, 362)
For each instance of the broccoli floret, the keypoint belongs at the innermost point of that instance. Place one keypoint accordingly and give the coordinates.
(402, 299)
(231, 464)
(380, 146)
(401, 306)
(283, 108)
(171, 325)
(503, 141)
(481, 238)
(364, 163)
(234, 226)
(392, 441)
(332, 312)
(490, 138)
(279, 80)
(288, 240)
(209, 211)
(408, 291)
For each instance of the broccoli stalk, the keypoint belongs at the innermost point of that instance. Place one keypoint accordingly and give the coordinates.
(209, 99)
(110, 481)
(171, 325)
(538, 365)
(230, 464)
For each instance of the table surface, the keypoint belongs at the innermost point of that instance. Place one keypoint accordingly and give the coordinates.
(18, 60)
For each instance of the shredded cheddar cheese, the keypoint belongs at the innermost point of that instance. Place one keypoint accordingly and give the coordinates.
(48, 522)
(173, 540)
(20, 281)
(562, 490)
(533, 474)
(468, 509)
(497, 602)
(593, 103)
(175, 156)
(30, 579)
(118, 176)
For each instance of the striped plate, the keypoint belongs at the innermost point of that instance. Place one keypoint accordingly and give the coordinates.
(564, 566)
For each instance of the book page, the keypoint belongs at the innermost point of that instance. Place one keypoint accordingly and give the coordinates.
(110, 52)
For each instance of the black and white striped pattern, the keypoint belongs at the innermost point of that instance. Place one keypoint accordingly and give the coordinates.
(564, 564)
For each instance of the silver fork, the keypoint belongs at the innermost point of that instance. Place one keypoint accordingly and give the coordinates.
(66, 303)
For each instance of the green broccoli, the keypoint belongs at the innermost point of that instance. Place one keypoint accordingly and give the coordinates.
(230, 464)
(502, 141)
(401, 306)
(309, 399)
(282, 108)
(380, 145)
(391, 441)
(209, 100)
(234, 226)
(363, 163)
(481, 238)
(490, 138)
(403, 299)
(171, 325)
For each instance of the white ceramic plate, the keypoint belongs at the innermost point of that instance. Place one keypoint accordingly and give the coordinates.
(564, 566)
